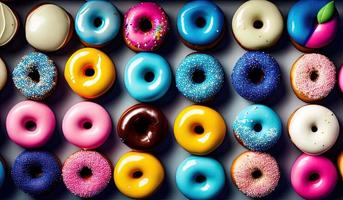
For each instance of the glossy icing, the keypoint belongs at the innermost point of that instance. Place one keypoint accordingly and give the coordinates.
(8, 24)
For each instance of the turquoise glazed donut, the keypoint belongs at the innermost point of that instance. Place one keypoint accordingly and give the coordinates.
(200, 177)
(97, 23)
(147, 77)
(2, 172)
(200, 24)
(257, 127)
(199, 77)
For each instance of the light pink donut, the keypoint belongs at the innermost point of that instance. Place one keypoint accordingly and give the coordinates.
(313, 177)
(340, 79)
(30, 124)
(87, 125)
(86, 173)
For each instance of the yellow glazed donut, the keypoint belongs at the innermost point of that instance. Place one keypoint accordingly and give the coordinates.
(199, 129)
(138, 175)
(340, 163)
(90, 73)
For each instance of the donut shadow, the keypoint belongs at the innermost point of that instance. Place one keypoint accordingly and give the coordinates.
(111, 96)
(278, 96)
(283, 43)
(169, 98)
(8, 189)
(111, 143)
(334, 49)
(59, 192)
(165, 189)
(223, 96)
(108, 193)
(282, 145)
(223, 149)
(331, 100)
(167, 145)
(171, 41)
(56, 142)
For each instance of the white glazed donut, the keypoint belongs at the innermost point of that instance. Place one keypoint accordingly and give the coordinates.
(8, 24)
(3, 74)
(313, 129)
(257, 24)
(48, 27)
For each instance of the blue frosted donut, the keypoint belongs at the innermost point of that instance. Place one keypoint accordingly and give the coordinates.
(256, 76)
(257, 127)
(36, 172)
(200, 24)
(2, 172)
(199, 77)
(97, 22)
(147, 77)
(35, 76)
(200, 177)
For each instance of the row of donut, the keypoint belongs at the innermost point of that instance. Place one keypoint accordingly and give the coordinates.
(311, 25)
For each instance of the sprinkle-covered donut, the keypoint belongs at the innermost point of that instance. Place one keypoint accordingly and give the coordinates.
(255, 174)
(142, 127)
(30, 124)
(200, 177)
(256, 76)
(97, 23)
(313, 76)
(3, 74)
(313, 129)
(256, 29)
(257, 127)
(90, 73)
(2, 172)
(313, 177)
(86, 173)
(87, 125)
(9, 24)
(199, 129)
(36, 172)
(312, 24)
(145, 26)
(199, 77)
(54, 30)
(35, 76)
(200, 24)
(138, 175)
(147, 77)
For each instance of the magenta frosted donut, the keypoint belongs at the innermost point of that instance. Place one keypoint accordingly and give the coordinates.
(30, 124)
(87, 125)
(313, 177)
(86, 173)
(145, 26)
(255, 174)
(340, 79)
(313, 76)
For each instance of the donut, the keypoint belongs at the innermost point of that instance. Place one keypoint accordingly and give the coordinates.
(256, 76)
(138, 175)
(36, 172)
(340, 163)
(340, 79)
(313, 76)
(200, 24)
(9, 24)
(35, 76)
(97, 23)
(199, 129)
(199, 77)
(142, 127)
(313, 129)
(30, 124)
(86, 125)
(257, 127)
(147, 77)
(54, 30)
(196, 181)
(90, 73)
(256, 174)
(3, 74)
(145, 26)
(254, 28)
(313, 177)
(312, 24)
(2, 172)
(86, 173)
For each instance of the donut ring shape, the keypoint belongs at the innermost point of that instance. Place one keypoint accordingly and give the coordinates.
(3, 74)
(9, 24)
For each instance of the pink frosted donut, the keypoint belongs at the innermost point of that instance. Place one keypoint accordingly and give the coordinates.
(313, 177)
(30, 124)
(340, 79)
(255, 174)
(145, 26)
(313, 76)
(86, 173)
(86, 125)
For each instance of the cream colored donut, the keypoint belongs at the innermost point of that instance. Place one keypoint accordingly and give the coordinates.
(48, 27)
(8, 24)
(314, 129)
(3, 74)
(257, 24)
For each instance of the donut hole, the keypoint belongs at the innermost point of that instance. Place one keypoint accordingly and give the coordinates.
(256, 75)
(256, 174)
(257, 127)
(137, 174)
(35, 171)
(141, 125)
(145, 25)
(198, 129)
(97, 22)
(85, 173)
(87, 125)
(200, 22)
(200, 178)
(258, 24)
(30, 125)
(34, 75)
(314, 76)
(313, 177)
(314, 128)
(149, 77)
(198, 76)
(89, 71)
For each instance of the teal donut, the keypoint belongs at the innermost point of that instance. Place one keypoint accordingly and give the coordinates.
(2, 172)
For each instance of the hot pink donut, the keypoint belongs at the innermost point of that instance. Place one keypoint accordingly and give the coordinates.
(313, 177)
(340, 79)
(86, 125)
(145, 26)
(30, 124)
(86, 173)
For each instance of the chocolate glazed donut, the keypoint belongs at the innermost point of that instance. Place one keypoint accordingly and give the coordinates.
(142, 127)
